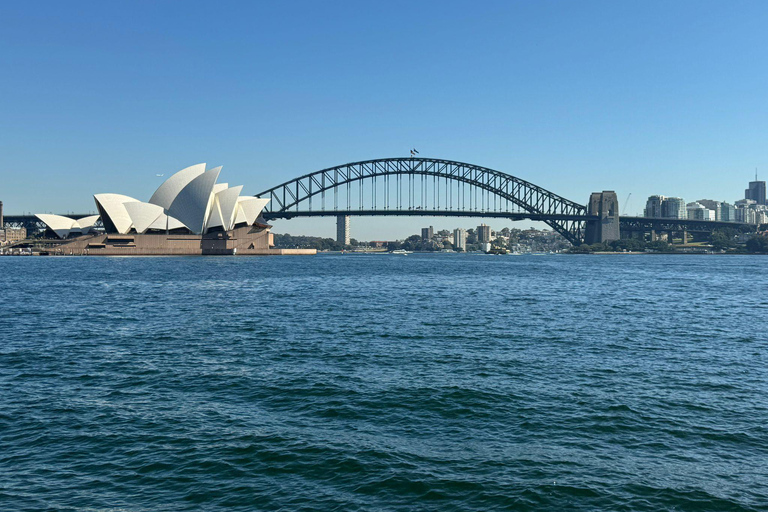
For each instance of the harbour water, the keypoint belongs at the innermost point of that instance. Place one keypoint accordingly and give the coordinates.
(384, 383)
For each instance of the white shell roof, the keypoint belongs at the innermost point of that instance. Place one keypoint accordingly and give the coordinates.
(59, 224)
(192, 203)
(190, 198)
(167, 192)
(86, 223)
(252, 207)
(227, 200)
(164, 222)
(113, 206)
(239, 215)
(214, 217)
(143, 215)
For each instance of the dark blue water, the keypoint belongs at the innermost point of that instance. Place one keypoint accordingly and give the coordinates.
(379, 382)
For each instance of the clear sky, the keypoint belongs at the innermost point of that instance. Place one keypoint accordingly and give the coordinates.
(641, 97)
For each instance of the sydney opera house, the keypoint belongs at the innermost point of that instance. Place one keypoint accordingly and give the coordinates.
(190, 213)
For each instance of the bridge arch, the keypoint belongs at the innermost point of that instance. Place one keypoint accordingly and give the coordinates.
(511, 196)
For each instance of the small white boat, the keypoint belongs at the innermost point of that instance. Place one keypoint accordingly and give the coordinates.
(400, 251)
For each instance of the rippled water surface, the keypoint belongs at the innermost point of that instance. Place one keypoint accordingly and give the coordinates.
(381, 382)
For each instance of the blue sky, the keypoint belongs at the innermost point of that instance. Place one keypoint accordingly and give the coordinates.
(643, 97)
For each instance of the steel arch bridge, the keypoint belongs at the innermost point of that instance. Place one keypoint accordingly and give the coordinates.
(423, 187)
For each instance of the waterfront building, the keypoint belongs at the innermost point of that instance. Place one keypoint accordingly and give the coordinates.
(342, 229)
(190, 202)
(427, 233)
(756, 191)
(188, 214)
(460, 239)
(483, 233)
(13, 234)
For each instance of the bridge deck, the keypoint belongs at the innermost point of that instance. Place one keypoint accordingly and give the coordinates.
(426, 213)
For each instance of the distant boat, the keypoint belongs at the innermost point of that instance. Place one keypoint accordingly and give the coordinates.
(400, 251)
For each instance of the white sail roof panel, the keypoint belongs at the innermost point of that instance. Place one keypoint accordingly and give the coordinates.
(86, 223)
(143, 215)
(239, 215)
(164, 222)
(167, 192)
(227, 200)
(192, 203)
(59, 224)
(252, 207)
(113, 205)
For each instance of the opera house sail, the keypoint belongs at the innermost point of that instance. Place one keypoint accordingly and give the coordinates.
(190, 213)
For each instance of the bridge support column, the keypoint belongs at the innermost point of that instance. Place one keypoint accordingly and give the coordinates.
(605, 205)
(653, 235)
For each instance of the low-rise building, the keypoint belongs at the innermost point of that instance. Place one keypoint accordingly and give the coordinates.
(8, 235)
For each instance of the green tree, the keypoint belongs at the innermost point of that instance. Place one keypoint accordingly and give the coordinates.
(723, 239)
(758, 244)
(659, 246)
(580, 249)
(628, 244)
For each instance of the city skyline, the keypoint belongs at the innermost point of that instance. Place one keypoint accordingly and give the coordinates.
(643, 99)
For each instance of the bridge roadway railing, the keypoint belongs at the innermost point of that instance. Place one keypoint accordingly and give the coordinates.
(648, 224)
(427, 213)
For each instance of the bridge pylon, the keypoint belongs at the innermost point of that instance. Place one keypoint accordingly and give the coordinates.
(605, 205)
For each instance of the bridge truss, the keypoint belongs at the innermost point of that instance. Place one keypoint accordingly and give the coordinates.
(423, 187)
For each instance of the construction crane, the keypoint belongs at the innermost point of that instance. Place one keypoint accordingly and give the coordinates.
(626, 203)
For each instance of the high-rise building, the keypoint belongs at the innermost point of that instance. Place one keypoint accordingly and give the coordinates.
(673, 208)
(697, 211)
(744, 211)
(483, 233)
(756, 191)
(342, 229)
(727, 212)
(715, 206)
(460, 239)
(665, 207)
(427, 233)
(653, 206)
